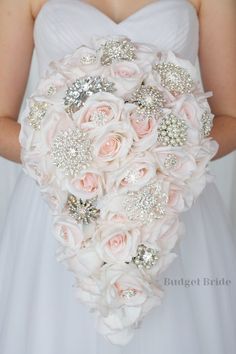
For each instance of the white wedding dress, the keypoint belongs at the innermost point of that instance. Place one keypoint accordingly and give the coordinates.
(38, 311)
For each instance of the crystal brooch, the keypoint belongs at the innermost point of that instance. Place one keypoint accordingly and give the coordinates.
(37, 112)
(174, 78)
(81, 89)
(146, 257)
(117, 50)
(71, 151)
(146, 204)
(149, 101)
(172, 131)
(82, 211)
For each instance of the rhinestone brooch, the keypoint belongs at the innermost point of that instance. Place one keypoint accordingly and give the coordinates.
(36, 114)
(117, 50)
(172, 131)
(81, 89)
(146, 204)
(207, 123)
(71, 151)
(149, 101)
(174, 78)
(146, 257)
(82, 211)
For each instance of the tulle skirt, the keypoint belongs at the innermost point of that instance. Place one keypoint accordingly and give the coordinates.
(40, 315)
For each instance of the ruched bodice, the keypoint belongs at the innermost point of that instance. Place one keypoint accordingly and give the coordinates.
(63, 25)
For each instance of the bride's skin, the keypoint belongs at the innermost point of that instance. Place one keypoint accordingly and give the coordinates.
(217, 54)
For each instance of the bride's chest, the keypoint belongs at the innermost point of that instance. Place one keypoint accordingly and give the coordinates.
(63, 25)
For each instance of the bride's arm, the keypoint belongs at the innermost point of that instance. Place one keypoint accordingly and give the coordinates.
(16, 47)
(218, 67)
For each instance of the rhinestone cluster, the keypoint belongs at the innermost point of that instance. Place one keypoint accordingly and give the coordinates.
(117, 50)
(128, 293)
(51, 91)
(82, 88)
(174, 78)
(207, 123)
(88, 59)
(146, 257)
(99, 118)
(172, 131)
(82, 211)
(146, 204)
(170, 161)
(37, 112)
(132, 176)
(71, 151)
(149, 101)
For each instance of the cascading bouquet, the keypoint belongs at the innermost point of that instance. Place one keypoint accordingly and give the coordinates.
(116, 135)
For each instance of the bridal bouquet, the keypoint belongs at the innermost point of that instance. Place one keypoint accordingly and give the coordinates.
(116, 135)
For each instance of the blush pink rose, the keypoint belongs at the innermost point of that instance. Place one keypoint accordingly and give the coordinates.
(142, 127)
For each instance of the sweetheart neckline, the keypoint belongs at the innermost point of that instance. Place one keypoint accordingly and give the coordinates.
(135, 13)
(128, 18)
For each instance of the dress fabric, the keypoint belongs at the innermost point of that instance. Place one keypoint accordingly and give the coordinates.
(38, 311)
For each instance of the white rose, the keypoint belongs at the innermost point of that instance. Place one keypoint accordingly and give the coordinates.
(117, 242)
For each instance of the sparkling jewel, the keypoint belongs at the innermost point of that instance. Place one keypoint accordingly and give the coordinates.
(174, 78)
(132, 176)
(81, 89)
(88, 59)
(170, 161)
(207, 123)
(71, 151)
(82, 211)
(117, 50)
(99, 118)
(146, 204)
(172, 131)
(146, 257)
(128, 293)
(37, 112)
(51, 91)
(149, 101)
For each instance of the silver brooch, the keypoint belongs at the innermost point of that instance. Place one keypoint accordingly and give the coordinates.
(37, 112)
(170, 161)
(146, 257)
(174, 78)
(71, 151)
(117, 50)
(149, 101)
(82, 211)
(172, 131)
(146, 204)
(207, 123)
(81, 89)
